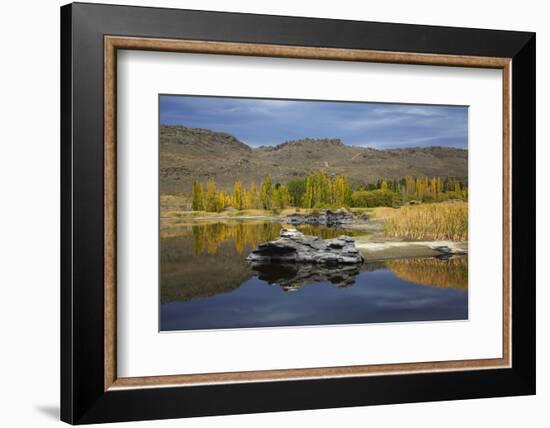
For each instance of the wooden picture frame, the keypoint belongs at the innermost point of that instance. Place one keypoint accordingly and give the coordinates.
(91, 390)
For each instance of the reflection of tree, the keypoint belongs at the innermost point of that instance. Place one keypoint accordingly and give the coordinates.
(445, 273)
(206, 258)
(207, 237)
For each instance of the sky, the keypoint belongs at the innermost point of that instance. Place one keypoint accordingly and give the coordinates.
(266, 122)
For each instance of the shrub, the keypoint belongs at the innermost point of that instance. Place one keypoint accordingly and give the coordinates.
(461, 195)
(375, 198)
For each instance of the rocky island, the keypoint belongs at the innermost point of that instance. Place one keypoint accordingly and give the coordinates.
(327, 217)
(293, 246)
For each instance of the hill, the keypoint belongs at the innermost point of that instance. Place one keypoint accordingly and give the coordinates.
(188, 154)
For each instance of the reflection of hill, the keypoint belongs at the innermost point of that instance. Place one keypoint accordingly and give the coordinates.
(292, 276)
(184, 276)
(444, 273)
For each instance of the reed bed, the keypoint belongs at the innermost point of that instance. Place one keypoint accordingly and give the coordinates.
(440, 221)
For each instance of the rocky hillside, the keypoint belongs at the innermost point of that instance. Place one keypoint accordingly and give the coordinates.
(188, 154)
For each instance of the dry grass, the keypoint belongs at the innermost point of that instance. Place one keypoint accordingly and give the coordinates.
(382, 213)
(186, 214)
(174, 203)
(445, 221)
(232, 213)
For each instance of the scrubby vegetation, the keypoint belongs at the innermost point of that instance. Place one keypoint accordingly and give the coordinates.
(376, 198)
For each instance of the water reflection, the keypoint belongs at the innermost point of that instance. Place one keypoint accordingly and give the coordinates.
(376, 297)
(208, 236)
(206, 283)
(292, 276)
(435, 272)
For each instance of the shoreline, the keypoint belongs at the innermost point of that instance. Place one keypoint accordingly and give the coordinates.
(216, 217)
(374, 246)
(376, 250)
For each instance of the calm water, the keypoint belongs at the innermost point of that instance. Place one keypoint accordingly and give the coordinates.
(207, 284)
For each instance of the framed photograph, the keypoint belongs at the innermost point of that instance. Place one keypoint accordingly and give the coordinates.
(266, 213)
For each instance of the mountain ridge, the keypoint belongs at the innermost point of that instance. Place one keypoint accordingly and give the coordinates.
(189, 154)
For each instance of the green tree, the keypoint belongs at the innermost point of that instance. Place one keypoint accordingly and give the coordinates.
(252, 197)
(456, 187)
(281, 197)
(296, 189)
(318, 190)
(266, 193)
(376, 198)
(341, 192)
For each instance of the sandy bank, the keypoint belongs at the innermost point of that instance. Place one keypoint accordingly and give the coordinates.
(386, 250)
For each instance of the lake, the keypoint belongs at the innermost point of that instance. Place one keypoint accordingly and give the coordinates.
(207, 284)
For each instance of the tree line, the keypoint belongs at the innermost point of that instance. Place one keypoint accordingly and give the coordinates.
(319, 190)
(408, 189)
(207, 197)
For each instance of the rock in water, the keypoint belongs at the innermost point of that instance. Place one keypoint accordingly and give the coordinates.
(328, 217)
(293, 246)
(340, 216)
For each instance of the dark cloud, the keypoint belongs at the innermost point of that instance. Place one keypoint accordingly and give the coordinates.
(267, 122)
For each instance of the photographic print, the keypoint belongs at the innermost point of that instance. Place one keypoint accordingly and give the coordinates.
(279, 212)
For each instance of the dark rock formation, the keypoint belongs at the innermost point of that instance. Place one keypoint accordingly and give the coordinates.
(328, 217)
(294, 247)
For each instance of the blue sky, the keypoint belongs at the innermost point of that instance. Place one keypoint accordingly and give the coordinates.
(258, 122)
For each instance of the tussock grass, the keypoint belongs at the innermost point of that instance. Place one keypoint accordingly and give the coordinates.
(446, 221)
(383, 213)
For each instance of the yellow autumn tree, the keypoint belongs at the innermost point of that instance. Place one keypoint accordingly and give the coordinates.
(238, 195)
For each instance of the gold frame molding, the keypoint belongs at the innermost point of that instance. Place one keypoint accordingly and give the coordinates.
(113, 43)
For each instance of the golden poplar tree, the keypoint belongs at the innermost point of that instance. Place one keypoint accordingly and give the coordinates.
(266, 193)
(238, 195)
(198, 197)
(252, 197)
(211, 196)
